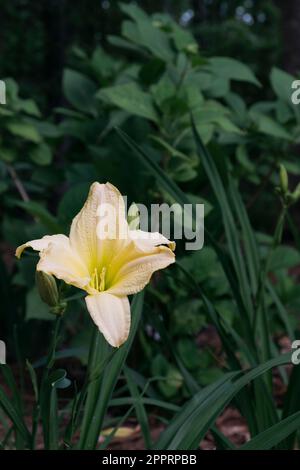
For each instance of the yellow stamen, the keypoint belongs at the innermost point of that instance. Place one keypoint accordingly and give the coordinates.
(96, 283)
(102, 279)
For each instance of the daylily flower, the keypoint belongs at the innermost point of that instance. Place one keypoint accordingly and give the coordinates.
(107, 267)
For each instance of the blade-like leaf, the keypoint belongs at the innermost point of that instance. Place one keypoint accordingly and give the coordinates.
(275, 434)
(190, 425)
(109, 379)
(139, 407)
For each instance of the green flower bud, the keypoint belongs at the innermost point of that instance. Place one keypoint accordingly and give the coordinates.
(284, 179)
(296, 193)
(192, 48)
(157, 24)
(133, 218)
(47, 288)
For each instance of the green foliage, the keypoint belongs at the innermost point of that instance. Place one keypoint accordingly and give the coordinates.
(190, 128)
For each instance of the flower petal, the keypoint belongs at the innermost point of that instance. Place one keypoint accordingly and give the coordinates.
(145, 241)
(112, 316)
(62, 262)
(40, 244)
(135, 267)
(84, 229)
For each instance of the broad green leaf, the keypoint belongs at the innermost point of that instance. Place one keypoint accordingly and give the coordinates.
(132, 10)
(41, 155)
(283, 112)
(155, 40)
(130, 31)
(36, 309)
(42, 214)
(188, 349)
(210, 111)
(130, 98)
(79, 91)
(29, 107)
(244, 160)
(284, 257)
(103, 64)
(124, 44)
(171, 378)
(163, 90)
(281, 82)
(25, 130)
(206, 131)
(71, 202)
(183, 39)
(232, 69)
(237, 104)
(228, 126)
(218, 87)
(48, 129)
(8, 155)
(267, 125)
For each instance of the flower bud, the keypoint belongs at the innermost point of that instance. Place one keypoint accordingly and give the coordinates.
(133, 218)
(192, 48)
(296, 193)
(47, 288)
(284, 179)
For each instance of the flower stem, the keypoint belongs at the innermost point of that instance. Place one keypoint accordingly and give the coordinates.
(48, 366)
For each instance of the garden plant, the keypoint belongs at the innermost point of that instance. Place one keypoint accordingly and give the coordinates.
(105, 331)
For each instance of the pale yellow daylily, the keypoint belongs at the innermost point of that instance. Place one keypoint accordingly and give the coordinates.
(108, 267)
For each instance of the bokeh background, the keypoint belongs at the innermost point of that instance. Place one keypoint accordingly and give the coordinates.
(37, 38)
(74, 70)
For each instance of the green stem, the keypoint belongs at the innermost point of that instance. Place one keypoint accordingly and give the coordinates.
(53, 345)
(48, 366)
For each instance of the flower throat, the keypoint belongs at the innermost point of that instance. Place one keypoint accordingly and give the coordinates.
(98, 279)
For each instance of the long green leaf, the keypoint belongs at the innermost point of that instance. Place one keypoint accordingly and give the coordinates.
(190, 425)
(139, 407)
(250, 244)
(291, 402)
(110, 377)
(275, 434)
(14, 415)
(174, 191)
